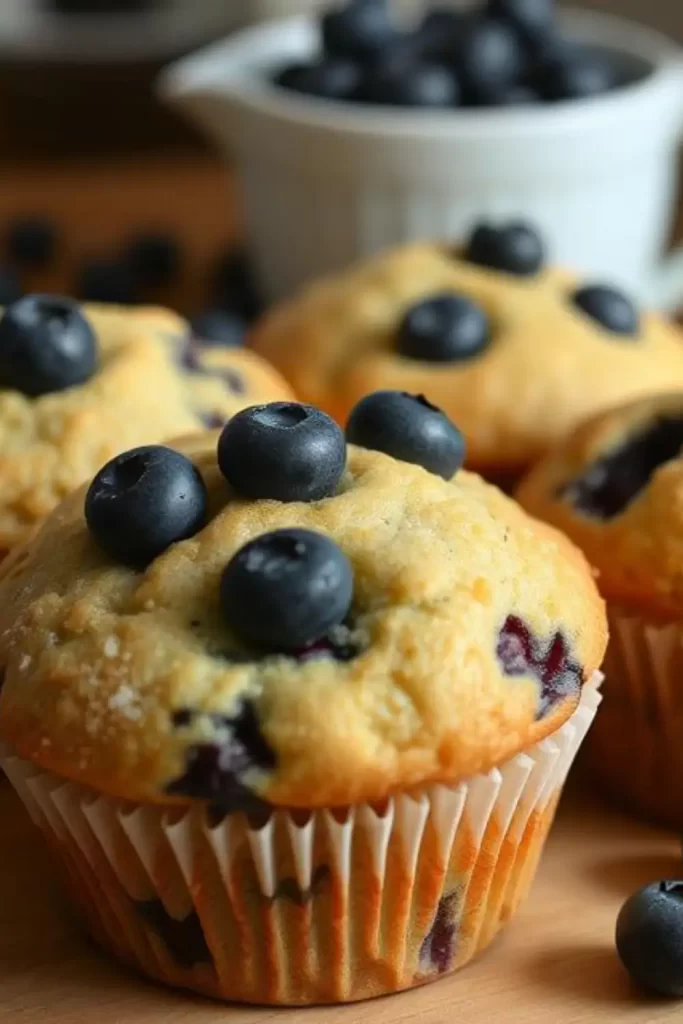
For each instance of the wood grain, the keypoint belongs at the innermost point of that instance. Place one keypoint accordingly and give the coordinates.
(555, 965)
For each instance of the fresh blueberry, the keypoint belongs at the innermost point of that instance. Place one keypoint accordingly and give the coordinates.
(286, 589)
(233, 286)
(284, 451)
(649, 937)
(143, 501)
(440, 33)
(515, 96)
(443, 329)
(575, 74)
(514, 248)
(609, 307)
(490, 58)
(408, 428)
(110, 281)
(418, 85)
(336, 78)
(360, 29)
(31, 242)
(46, 345)
(154, 258)
(10, 287)
(220, 327)
(533, 19)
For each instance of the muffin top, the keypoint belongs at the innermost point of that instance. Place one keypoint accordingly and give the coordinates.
(275, 615)
(517, 352)
(616, 488)
(78, 384)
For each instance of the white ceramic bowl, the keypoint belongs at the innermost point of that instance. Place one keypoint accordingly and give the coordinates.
(327, 183)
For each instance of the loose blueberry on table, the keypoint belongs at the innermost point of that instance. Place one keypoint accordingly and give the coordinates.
(444, 328)
(284, 451)
(649, 937)
(503, 53)
(609, 485)
(46, 345)
(513, 248)
(410, 429)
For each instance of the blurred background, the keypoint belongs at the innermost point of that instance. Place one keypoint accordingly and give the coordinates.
(86, 146)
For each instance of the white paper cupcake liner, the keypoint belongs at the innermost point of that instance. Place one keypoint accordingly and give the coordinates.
(635, 752)
(308, 908)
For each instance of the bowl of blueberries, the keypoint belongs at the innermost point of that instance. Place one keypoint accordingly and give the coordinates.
(357, 130)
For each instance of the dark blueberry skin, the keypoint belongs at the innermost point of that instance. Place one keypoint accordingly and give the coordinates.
(143, 501)
(336, 78)
(516, 96)
(154, 258)
(408, 428)
(284, 451)
(109, 281)
(514, 248)
(533, 19)
(31, 242)
(440, 33)
(444, 329)
(439, 945)
(360, 29)
(611, 483)
(218, 326)
(233, 286)
(415, 85)
(10, 287)
(649, 937)
(490, 58)
(610, 308)
(46, 345)
(575, 74)
(285, 590)
(521, 652)
(184, 938)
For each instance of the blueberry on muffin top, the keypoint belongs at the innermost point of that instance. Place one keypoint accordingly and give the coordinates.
(385, 622)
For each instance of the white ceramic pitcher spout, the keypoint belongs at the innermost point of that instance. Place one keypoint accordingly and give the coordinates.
(325, 184)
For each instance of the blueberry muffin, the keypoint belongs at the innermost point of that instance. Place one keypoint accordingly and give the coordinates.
(516, 351)
(311, 699)
(78, 384)
(616, 488)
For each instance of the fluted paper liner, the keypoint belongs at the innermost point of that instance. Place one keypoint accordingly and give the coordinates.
(635, 753)
(327, 906)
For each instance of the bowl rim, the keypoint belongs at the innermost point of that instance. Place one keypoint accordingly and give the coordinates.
(225, 70)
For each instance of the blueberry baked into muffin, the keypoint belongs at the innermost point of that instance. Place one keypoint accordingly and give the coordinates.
(78, 384)
(310, 700)
(516, 351)
(616, 489)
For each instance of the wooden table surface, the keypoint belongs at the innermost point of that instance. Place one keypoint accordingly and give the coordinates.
(555, 965)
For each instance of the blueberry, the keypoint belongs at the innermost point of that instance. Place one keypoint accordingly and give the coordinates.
(533, 19)
(233, 286)
(649, 937)
(284, 451)
(440, 33)
(515, 248)
(46, 345)
(31, 242)
(153, 258)
(183, 937)
(104, 280)
(611, 308)
(419, 85)
(336, 78)
(443, 329)
(515, 96)
(143, 501)
(575, 74)
(489, 59)
(10, 287)
(220, 327)
(408, 428)
(286, 589)
(521, 652)
(360, 29)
